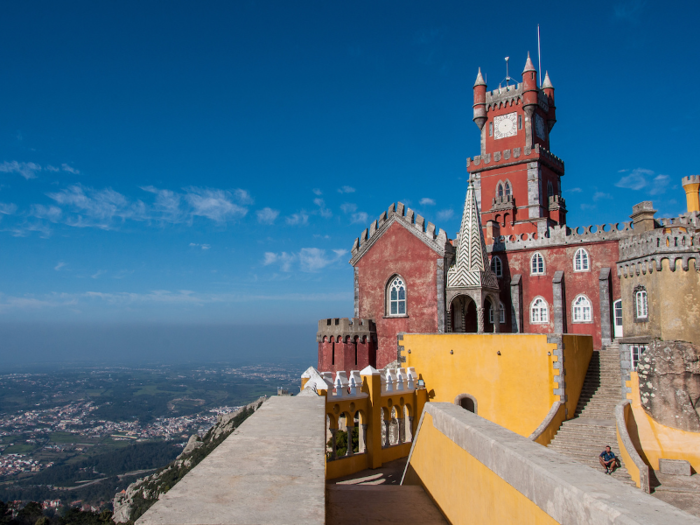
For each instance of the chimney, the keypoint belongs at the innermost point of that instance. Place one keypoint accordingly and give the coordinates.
(691, 185)
(643, 216)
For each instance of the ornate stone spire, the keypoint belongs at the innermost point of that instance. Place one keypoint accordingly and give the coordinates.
(471, 268)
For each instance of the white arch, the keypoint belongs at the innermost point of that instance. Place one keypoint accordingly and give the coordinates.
(537, 266)
(539, 311)
(396, 297)
(582, 261)
(582, 309)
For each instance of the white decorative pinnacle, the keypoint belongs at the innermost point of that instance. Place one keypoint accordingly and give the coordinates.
(471, 267)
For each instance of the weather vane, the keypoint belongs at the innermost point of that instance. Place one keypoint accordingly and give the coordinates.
(507, 79)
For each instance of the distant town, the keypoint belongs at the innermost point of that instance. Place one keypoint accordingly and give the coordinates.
(53, 425)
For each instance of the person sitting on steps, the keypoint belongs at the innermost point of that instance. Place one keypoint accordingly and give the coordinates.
(608, 460)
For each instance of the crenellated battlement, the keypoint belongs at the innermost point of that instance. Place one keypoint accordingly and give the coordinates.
(415, 223)
(345, 330)
(645, 252)
(515, 156)
(691, 179)
(562, 235)
(504, 96)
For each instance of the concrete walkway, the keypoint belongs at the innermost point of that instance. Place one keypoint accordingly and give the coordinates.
(376, 496)
(680, 491)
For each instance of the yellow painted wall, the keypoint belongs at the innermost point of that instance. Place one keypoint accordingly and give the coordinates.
(514, 389)
(673, 299)
(546, 437)
(466, 491)
(654, 440)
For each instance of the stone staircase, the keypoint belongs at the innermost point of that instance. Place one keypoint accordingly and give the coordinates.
(585, 436)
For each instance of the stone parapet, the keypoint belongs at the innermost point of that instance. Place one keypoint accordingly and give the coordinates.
(562, 235)
(252, 477)
(343, 328)
(515, 156)
(645, 252)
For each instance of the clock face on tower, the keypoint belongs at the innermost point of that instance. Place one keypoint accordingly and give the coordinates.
(539, 126)
(506, 125)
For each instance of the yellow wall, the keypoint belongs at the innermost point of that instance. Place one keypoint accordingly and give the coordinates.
(514, 389)
(654, 440)
(673, 299)
(465, 490)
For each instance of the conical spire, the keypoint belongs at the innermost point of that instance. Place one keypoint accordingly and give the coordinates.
(471, 267)
(528, 64)
(547, 84)
(479, 80)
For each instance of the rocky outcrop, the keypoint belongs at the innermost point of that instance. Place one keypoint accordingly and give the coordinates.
(669, 384)
(131, 503)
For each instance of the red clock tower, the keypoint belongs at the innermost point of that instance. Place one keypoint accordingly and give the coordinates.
(517, 179)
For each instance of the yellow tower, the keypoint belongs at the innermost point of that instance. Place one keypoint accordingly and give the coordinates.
(691, 185)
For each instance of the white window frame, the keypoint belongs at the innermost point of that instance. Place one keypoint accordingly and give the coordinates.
(543, 307)
(585, 258)
(641, 299)
(497, 266)
(636, 352)
(537, 271)
(399, 282)
(578, 311)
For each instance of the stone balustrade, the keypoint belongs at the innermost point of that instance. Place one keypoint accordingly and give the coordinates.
(385, 406)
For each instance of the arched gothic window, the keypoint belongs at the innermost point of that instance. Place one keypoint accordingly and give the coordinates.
(581, 261)
(582, 310)
(539, 311)
(640, 303)
(537, 264)
(497, 266)
(396, 297)
(499, 190)
(508, 192)
(501, 314)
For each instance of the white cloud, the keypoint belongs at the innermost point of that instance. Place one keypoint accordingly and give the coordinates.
(348, 207)
(573, 190)
(60, 265)
(52, 168)
(267, 215)
(97, 208)
(7, 209)
(444, 215)
(599, 195)
(202, 246)
(346, 189)
(213, 204)
(50, 213)
(69, 169)
(317, 191)
(659, 184)
(425, 201)
(243, 196)
(27, 170)
(296, 219)
(97, 274)
(635, 180)
(308, 260)
(323, 211)
(588, 207)
(359, 218)
(166, 207)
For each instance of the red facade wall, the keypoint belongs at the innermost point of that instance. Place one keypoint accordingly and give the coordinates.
(601, 255)
(398, 251)
(335, 355)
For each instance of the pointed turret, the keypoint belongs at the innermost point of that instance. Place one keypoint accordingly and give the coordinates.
(547, 84)
(548, 89)
(528, 65)
(479, 79)
(471, 268)
(479, 101)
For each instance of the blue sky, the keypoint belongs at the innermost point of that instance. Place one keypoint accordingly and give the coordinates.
(212, 162)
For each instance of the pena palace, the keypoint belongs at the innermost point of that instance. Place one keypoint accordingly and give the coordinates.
(514, 267)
